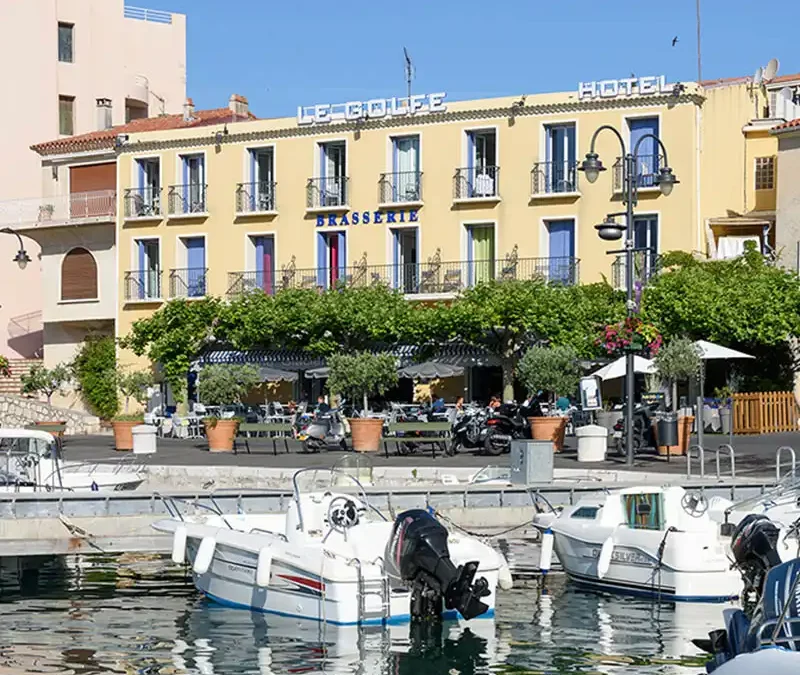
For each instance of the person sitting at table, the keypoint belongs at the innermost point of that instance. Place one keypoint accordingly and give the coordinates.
(438, 405)
(460, 403)
(322, 406)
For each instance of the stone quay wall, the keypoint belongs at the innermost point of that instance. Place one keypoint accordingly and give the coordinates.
(17, 411)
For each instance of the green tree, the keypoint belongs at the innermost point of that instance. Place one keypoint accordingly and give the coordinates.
(94, 367)
(224, 384)
(361, 375)
(47, 381)
(678, 360)
(553, 369)
(133, 384)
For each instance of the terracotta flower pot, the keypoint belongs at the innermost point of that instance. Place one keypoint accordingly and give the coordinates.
(549, 429)
(366, 434)
(685, 425)
(123, 434)
(221, 434)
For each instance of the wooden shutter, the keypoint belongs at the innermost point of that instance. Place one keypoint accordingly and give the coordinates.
(91, 190)
(78, 275)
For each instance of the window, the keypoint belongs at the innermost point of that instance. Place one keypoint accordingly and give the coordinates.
(405, 254)
(331, 259)
(560, 166)
(135, 110)
(405, 167)
(765, 173)
(145, 199)
(79, 275)
(262, 252)
(146, 279)
(65, 42)
(642, 130)
(480, 254)
(586, 512)
(333, 174)
(261, 190)
(645, 235)
(190, 282)
(481, 171)
(561, 251)
(644, 511)
(66, 115)
(192, 194)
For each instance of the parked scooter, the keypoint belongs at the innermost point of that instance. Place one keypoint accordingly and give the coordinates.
(643, 435)
(327, 431)
(468, 431)
(507, 422)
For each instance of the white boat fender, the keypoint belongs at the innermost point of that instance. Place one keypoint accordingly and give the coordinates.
(504, 579)
(546, 555)
(205, 554)
(264, 567)
(179, 545)
(604, 559)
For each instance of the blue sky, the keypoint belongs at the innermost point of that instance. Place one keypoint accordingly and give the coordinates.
(281, 54)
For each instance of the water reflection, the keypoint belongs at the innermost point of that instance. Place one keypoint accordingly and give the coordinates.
(93, 614)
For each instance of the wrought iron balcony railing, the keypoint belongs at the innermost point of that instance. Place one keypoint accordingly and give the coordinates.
(142, 202)
(187, 200)
(552, 178)
(428, 278)
(647, 167)
(326, 192)
(476, 183)
(142, 285)
(255, 197)
(68, 209)
(189, 282)
(400, 187)
(645, 266)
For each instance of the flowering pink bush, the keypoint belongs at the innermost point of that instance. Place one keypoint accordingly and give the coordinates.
(632, 333)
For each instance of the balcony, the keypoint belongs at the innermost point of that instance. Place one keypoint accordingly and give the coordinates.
(647, 170)
(142, 285)
(73, 209)
(433, 277)
(400, 188)
(324, 194)
(255, 199)
(187, 201)
(189, 282)
(645, 266)
(477, 184)
(143, 203)
(554, 179)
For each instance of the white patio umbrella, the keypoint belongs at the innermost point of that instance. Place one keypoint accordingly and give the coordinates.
(709, 351)
(616, 368)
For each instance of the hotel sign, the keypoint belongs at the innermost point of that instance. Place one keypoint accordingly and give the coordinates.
(377, 108)
(625, 87)
(367, 217)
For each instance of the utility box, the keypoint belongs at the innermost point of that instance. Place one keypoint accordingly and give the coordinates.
(144, 439)
(531, 461)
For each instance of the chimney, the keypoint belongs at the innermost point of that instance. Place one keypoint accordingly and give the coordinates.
(104, 120)
(238, 105)
(188, 110)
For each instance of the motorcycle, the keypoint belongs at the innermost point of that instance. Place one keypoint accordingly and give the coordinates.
(508, 422)
(468, 431)
(327, 431)
(643, 435)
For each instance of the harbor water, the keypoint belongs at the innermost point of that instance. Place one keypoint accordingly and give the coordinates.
(141, 614)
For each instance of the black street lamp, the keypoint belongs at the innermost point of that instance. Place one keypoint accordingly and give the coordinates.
(22, 258)
(610, 230)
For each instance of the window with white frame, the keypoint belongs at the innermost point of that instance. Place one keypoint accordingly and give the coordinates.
(765, 173)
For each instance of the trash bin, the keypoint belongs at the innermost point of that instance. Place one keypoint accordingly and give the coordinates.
(592, 442)
(144, 439)
(531, 461)
(725, 419)
(667, 434)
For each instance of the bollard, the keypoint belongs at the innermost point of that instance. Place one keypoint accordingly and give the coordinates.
(778, 462)
(701, 455)
(729, 448)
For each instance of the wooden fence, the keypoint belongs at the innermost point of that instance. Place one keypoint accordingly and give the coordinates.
(765, 412)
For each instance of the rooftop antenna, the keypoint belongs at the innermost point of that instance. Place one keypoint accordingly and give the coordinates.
(409, 73)
(699, 59)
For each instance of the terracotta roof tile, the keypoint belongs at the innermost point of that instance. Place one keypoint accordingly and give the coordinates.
(794, 124)
(96, 140)
(723, 81)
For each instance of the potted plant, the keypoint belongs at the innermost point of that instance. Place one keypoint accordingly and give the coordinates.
(224, 385)
(46, 212)
(357, 376)
(554, 370)
(47, 381)
(5, 367)
(679, 360)
(133, 384)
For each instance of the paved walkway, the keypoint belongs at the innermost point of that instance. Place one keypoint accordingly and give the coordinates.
(755, 455)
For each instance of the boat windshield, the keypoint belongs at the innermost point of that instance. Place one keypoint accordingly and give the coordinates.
(644, 511)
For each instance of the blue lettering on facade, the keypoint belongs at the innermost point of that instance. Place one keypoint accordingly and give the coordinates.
(402, 216)
(365, 217)
(344, 220)
(412, 216)
(378, 217)
(320, 221)
(355, 216)
(331, 219)
(390, 216)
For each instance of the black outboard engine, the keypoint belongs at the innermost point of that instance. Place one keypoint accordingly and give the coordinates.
(754, 546)
(417, 556)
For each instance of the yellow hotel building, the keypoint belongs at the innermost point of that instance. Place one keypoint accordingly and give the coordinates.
(429, 201)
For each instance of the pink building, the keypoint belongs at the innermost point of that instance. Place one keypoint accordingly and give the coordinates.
(75, 66)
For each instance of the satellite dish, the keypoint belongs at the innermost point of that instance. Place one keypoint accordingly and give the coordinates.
(771, 69)
(786, 93)
(758, 76)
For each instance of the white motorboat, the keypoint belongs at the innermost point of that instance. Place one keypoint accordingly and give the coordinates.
(652, 541)
(31, 461)
(334, 558)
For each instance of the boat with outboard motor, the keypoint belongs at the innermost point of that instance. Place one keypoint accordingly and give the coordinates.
(333, 557)
(32, 461)
(651, 541)
(764, 636)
